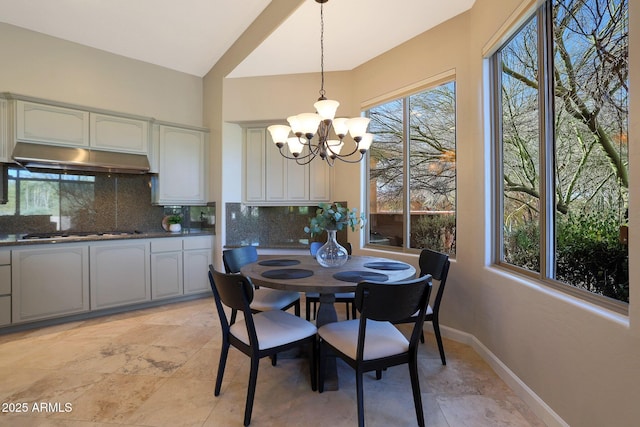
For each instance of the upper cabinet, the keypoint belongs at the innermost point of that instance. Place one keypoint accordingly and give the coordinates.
(5, 147)
(271, 179)
(50, 124)
(114, 133)
(180, 161)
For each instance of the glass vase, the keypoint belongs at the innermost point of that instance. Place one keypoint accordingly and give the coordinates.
(332, 254)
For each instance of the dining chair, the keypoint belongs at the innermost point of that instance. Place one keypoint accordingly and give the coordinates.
(373, 343)
(257, 335)
(264, 299)
(313, 298)
(437, 265)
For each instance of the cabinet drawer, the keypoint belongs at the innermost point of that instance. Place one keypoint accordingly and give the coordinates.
(5, 279)
(169, 244)
(5, 310)
(199, 242)
(5, 257)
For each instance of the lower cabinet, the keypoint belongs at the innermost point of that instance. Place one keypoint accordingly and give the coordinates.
(49, 282)
(197, 257)
(166, 268)
(120, 273)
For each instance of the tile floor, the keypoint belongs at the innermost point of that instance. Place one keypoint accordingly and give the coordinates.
(156, 367)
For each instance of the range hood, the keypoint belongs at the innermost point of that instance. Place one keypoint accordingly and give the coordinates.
(82, 159)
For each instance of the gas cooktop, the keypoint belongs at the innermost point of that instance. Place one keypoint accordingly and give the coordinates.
(77, 234)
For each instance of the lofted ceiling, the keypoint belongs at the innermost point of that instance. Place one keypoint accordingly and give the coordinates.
(192, 35)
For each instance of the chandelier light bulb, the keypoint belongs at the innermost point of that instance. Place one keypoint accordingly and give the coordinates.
(309, 124)
(365, 142)
(295, 146)
(340, 127)
(326, 108)
(358, 127)
(279, 134)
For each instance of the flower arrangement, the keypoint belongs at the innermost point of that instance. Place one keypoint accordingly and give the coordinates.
(334, 217)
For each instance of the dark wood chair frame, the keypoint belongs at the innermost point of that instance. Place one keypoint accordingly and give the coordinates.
(236, 292)
(437, 265)
(234, 259)
(385, 302)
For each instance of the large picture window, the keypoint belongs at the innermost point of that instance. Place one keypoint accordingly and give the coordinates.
(561, 112)
(412, 171)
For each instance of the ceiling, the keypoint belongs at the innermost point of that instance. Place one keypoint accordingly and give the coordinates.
(192, 35)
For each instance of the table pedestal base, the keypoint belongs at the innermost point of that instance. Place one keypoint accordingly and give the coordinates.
(327, 314)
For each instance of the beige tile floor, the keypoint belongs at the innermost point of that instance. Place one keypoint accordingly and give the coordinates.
(156, 367)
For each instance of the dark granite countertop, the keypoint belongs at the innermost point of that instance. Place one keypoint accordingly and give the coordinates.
(15, 239)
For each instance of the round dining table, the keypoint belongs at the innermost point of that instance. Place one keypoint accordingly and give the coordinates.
(302, 273)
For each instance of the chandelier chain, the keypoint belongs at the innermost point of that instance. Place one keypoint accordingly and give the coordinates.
(322, 93)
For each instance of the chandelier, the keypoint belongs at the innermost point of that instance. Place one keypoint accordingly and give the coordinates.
(306, 126)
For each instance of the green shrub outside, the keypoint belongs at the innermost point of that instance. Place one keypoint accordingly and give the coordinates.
(588, 252)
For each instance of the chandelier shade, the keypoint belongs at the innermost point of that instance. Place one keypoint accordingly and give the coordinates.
(312, 130)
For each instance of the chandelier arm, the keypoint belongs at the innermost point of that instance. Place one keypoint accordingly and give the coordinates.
(343, 159)
(311, 155)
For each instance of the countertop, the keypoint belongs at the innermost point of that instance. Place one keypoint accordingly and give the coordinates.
(15, 239)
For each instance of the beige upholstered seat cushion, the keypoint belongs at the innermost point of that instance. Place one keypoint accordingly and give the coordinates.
(274, 328)
(265, 299)
(382, 338)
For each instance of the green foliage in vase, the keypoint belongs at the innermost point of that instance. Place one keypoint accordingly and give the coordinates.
(334, 217)
(174, 219)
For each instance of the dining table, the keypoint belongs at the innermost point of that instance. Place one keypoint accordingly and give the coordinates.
(302, 273)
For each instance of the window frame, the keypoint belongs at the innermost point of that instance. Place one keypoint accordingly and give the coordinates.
(543, 12)
(404, 94)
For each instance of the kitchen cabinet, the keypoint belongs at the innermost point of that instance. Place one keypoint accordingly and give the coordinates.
(197, 258)
(50, 124)
(5, 146)
(49, 282)
(271, 179)
(5, 287)
(119, 273)
(166, 268)
(181, 166)
(115, 133)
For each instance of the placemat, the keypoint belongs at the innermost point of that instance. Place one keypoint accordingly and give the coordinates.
(279, 262)
(287, 273)
(358, 276)
(387, 265)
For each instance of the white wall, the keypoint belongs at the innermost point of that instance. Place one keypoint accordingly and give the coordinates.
(45, 67)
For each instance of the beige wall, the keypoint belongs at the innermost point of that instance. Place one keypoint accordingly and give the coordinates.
(46, 67)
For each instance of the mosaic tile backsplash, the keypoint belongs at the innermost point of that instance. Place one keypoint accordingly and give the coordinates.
(271, 226)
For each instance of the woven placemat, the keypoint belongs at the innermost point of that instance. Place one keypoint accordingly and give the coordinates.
(387, 265)
(358, 276)
(279, 262)
(287, 273)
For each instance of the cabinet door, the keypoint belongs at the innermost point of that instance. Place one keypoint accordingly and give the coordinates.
(276, 173)
(51, 125)
(119, 134)
(5, 148)
(196, 268)
(49, 282)
(254, 165)
(181, 172)
(120, 273)
(320, 179)
(166, 275)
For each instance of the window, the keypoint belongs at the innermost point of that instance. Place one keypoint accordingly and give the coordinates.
(561, 111)
(412, 171)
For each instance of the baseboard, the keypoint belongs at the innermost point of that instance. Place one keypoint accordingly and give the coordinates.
(535, 403)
